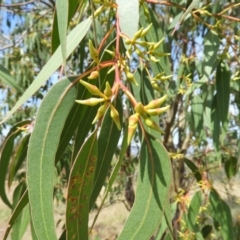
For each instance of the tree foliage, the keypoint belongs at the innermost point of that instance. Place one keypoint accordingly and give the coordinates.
(104, 75)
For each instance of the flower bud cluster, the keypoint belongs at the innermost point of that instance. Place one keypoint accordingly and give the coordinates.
(136, 45)
(151, 109)
(159, 77)
(105, 98)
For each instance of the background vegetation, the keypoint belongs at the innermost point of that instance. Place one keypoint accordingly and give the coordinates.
(134, 97)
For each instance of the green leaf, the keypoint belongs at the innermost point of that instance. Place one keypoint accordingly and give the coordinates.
(18, 209)
(231, 167)
(221, 215)
(223, 91)
(216, 124)
(107, 143)
(74, 120)
(128, 14)
(7, 78)
(19, 156)
(114, 173)
(62, 13)
(43, 145)
(154, 179)
(197, 112)
(6, 154)
(72, 7)
(23, 219)
(189, 9)
(194, 169)
(73, 39)
(80, 188)
(193, 212)
(210, 60)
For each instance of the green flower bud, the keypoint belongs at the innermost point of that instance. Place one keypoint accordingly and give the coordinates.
(139, 108)
(93, 75)
(157, 111)
(93, 51)
(108, 90)
(92, 89)
(91, 101)
(131, 78)
(157, 45)
(115, 116)
(100, 112)
(146, 30)
(131, 130)
(152, 58)
(110, 52)
(133, 119)
(132, 126)
(128, 41)
(141, 54)
(155, 103)
(150, 123)
(137, 34)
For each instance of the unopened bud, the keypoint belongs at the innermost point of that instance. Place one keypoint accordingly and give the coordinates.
(108, 90)
(141, 54)
(157, 111)
(93, 75)
(92, 89)
(133, 119)
(157, 45)
(90, 101)
(138, 34)
(155, 103)
(131, 130)
(131, 78)
(93, 51)
(100, 112)
(128, 41)
(139, 108)
(146, 30)
(98, 11)
(110, 52)
(150, 123)
(152, 58)
(115, 116)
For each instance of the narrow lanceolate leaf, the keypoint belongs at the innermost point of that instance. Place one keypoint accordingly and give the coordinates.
(191, 216)
(216, 122)
(154, 179)
(223, 90)
(6, 154)
(114, 172)
(62, 13)
(7, 78)
(19, 156)
(72, 7)
(107, 143)
(22, 220)
(221, 215)
(43, 146)
(80, 188)
(17, 210)
(189, 9)
(73, 39)
(128, 14)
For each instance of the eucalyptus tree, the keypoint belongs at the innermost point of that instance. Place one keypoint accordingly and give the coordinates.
(163, 73)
